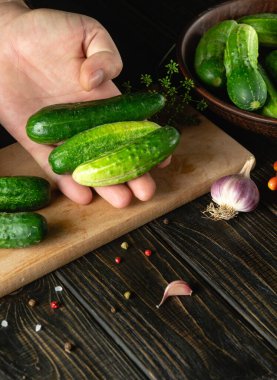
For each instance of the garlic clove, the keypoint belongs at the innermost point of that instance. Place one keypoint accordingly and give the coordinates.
(176, 288)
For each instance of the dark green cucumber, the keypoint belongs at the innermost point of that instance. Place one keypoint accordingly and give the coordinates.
(129, 161)
(23, 193)
(21, 229)
(270, 107)
(94, 142)
(59, 122)
(265, 25)
(209, 55)
(271, 65)
(245, 85)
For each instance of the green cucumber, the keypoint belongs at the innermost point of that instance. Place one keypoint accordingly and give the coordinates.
(209, 55)
(94, 142)
(21, 229)
(271, 65)
(265, 25)
(270, 106)
(59, 122)
(129, 161)
(23, 193)
(245, 85)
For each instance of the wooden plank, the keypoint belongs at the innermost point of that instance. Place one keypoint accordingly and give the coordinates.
(197, 337)
(75, 230)
(27, 354)
(236, 257)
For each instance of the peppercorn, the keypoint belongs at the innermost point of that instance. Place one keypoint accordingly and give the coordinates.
(54, 305)
(148, 252)
(117, 260)
(127, 294)
(68, 347)
(32, 302)
(125, 245)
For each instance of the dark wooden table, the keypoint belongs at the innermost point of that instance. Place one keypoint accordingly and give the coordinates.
(226, 330)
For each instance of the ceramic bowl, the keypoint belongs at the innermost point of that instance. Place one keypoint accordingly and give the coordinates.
(219, 103)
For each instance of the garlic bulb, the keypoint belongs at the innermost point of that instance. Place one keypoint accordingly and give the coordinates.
(233, 194)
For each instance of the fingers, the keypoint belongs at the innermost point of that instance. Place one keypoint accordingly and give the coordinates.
(143, 187)
(103, 61)
(120, 196)
(72, 190)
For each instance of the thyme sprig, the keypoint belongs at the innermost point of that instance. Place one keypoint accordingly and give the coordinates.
(177, 91)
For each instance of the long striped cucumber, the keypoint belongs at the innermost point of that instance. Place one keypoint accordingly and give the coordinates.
(245, 85)
(265, 25)
(23, 193)
(59, 122)
(21, 229)
(129, 161)
(209, 55)
(97, 141)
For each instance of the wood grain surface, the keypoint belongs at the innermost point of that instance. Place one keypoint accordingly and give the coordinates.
(194, 337)
(204, 154)
(197, 337)
(225, 331)
(27, 354)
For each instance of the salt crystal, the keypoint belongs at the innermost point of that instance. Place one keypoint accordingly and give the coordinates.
(4, 323)
(58, 288)
(38, 327)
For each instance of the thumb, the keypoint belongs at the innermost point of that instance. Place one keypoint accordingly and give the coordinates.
(103, 61)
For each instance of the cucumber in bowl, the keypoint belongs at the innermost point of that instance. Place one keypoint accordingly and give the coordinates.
(265, 25)
(209, 55)
(245, 84)
(270, 107)
(271, 65)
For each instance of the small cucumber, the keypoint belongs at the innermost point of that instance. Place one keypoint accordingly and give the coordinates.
(209, 55)
(270, 107)
(59, 122)
(265, 25)
(245, 85)
(271, 65)
(94, 142)
(23, 193)
(129, 161)
(21, 229)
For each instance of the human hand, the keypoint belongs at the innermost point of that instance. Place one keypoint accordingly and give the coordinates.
(51, 57)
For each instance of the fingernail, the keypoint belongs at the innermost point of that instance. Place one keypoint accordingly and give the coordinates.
(96, 79)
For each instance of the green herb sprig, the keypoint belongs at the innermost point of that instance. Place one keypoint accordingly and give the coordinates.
(177, 91)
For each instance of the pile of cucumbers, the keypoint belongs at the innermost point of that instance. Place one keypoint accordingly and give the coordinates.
(102, 142)
(241, 57)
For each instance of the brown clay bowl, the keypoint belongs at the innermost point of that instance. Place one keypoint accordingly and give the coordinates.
(219, 103)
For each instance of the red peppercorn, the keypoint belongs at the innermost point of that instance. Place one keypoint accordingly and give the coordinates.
(117, 260)
(54, 305)
(148, 252)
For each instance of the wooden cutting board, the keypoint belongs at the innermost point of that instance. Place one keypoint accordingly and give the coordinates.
(204, 154)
